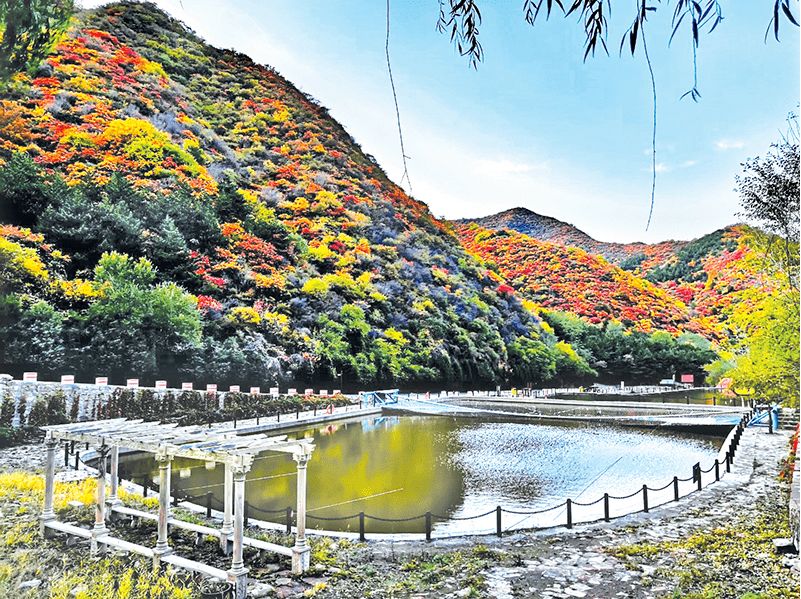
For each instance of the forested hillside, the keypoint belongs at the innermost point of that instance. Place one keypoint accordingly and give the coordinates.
(174, 210)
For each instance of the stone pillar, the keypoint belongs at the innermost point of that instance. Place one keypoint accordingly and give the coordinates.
(115, 477)
(165, 462)
(100, 505)
(50, 474)
(238, 574)
(301, 550)
(228, 523)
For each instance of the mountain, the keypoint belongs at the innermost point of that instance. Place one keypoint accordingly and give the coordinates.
(569, 279)
(546, 228)
(693, 286)
(175, 210)
(172, 210)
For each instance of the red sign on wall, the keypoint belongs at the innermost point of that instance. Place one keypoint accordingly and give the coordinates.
(687, 378)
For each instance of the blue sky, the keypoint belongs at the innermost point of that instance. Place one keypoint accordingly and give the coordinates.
(534, 126)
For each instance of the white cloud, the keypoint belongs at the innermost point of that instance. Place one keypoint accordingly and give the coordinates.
(689, 163)
(506, 167)
(729, 144)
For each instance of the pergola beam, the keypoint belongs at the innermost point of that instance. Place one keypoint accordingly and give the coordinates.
(167, 442)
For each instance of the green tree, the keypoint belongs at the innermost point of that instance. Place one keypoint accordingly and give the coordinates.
(22, 191)
(763, 350)
(30, 29)
(138, 325)
(769, 192)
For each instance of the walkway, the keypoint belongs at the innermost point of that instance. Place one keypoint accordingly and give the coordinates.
(702, 417)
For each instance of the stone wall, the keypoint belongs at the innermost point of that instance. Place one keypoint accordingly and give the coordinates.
(89, 397)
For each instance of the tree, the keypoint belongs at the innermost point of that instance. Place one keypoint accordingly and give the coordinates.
(763, 350)
(29, 30)
(769, 192)
(137, 325)
(462, 19)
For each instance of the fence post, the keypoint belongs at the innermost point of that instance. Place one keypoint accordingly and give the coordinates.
(209, 497)
(144, 487)
(645, 498)
(245, 513)
(675, 488)
(288, 520)
(606, 507)
(498, 529)
(697, 474)
(717, 470)
(569, 505)
(66, 455)
(428, 527)
(361, 527)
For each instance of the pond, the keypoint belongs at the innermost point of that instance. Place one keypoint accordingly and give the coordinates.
(401, 467)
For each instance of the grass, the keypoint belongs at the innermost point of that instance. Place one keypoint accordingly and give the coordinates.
(67, 573)
(737, 561)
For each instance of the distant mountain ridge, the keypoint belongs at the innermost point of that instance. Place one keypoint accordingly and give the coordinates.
(546, 228)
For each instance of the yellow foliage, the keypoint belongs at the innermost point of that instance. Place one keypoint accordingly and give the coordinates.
(395, 336)
(76, 290)
(300, 204)
(315, 286)
(242, 315)
(19, 264)
(28, 487)
(320, 252)
(379, 297)
(422, 307)
(273, 281)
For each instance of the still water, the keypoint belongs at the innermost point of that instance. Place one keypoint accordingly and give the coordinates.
(402, 467)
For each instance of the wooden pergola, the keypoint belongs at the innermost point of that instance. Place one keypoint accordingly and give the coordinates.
(167, 442)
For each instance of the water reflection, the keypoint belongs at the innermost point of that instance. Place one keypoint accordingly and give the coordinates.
(401, 467)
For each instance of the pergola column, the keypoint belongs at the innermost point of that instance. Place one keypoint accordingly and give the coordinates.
(301, 550)
(228, 523)
(238, 574)
(50, 475)
(113, 499)
(99, 528)
(165, 463)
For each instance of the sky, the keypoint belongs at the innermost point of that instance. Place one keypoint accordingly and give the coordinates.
(535, 125)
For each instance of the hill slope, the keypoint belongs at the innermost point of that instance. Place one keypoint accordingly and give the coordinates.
(194, 215)
(546, 228)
